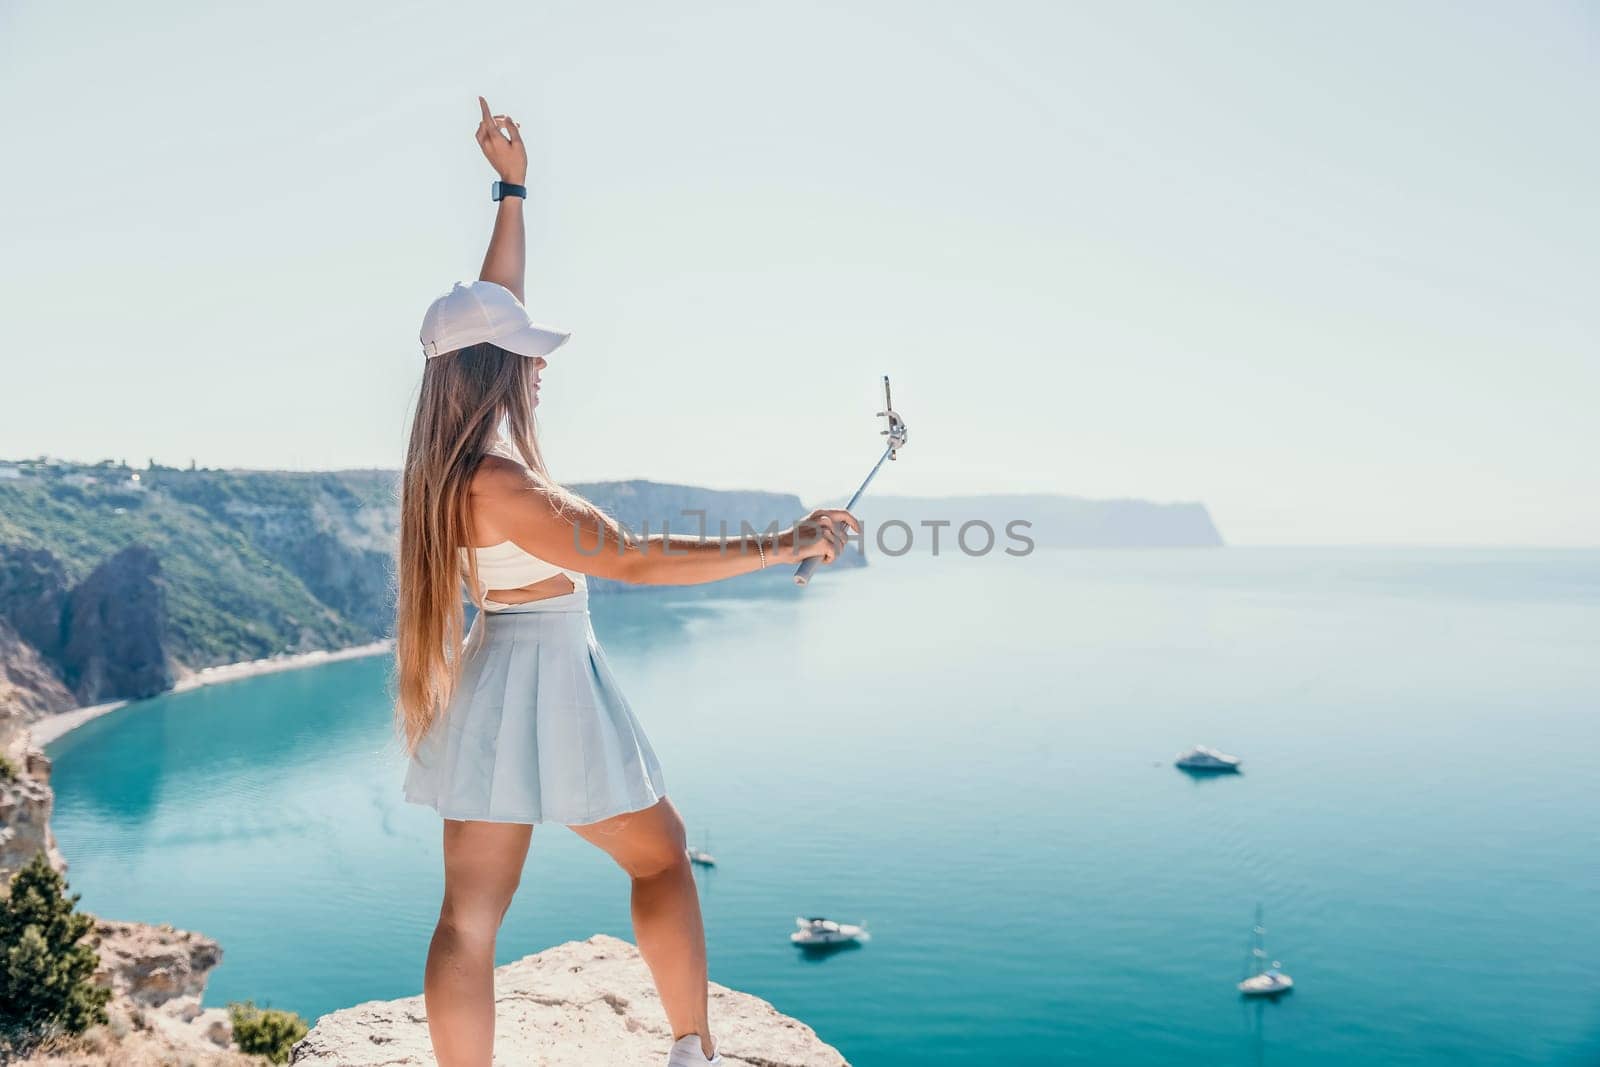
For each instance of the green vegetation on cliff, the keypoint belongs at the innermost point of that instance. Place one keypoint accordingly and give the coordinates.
(265, 1032)
(46, 966)
(227, 598)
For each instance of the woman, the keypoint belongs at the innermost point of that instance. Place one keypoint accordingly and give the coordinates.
(522, 722)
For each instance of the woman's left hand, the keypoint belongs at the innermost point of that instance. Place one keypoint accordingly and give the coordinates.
(505, 151)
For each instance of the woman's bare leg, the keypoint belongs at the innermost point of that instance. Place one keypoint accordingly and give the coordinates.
(652, 847)
(482, 866)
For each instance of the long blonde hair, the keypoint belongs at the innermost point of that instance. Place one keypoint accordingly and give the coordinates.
(464, 396)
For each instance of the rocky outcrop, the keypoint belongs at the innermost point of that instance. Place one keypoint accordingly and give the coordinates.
(103, 639)
(33, 591)
(161, 972)
(114, 630)
(155, 966)
(26, 798)
(30, 686)
(25, 803)
(588, 1002)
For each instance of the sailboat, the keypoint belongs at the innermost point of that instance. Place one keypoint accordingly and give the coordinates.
(700, 856)
(1263, 981)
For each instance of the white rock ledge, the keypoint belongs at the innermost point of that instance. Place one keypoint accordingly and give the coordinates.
(581, 1003)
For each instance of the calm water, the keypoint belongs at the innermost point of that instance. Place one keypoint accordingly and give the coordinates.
(974, 756)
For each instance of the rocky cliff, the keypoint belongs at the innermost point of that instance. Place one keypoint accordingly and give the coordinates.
(33, 594)
(117, 601)
(584, 1002)
(114, 630)
(25, 794)
(30, 685)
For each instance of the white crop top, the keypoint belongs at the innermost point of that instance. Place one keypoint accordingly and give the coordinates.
(508, 565)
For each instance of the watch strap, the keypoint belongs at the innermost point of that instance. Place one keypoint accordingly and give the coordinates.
(500, 190)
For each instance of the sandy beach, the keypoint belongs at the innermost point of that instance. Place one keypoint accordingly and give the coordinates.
(54, 726)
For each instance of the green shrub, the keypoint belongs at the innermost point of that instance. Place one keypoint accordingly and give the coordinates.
(265, 1031)
(8, 770)
(46, 969)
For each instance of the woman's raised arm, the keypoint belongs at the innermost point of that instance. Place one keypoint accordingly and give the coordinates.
(506, 262)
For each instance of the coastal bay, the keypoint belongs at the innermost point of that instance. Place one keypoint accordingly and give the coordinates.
(993, 792)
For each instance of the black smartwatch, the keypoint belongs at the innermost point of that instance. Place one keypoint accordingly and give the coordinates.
(503, 189)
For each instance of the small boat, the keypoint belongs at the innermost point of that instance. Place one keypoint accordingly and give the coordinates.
(1263, 981)
(700, 857)
(819, 931)
(1206, 758)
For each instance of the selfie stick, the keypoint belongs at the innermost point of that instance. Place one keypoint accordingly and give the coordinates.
(897, 439)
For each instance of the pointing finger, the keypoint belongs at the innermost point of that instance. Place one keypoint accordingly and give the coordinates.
(484, 104)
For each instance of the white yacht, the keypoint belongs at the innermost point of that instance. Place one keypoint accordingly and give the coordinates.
(1268, 983)
(1206, 758)
(819, 931)
(1263, 981)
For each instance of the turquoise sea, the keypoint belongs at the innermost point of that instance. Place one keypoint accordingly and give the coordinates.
(974, 755)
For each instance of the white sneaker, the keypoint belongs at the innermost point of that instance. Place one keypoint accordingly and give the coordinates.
(686, 1052)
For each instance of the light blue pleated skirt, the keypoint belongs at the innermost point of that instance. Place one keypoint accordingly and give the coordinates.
(537, 729)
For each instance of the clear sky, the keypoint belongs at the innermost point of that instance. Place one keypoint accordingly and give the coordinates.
(1332, 271)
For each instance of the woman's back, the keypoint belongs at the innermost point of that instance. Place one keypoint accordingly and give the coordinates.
(506, 565)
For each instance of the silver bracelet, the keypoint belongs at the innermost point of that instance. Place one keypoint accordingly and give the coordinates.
(761, 551)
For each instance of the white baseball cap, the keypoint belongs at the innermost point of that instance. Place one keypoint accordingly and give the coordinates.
(474, 312)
